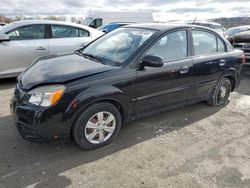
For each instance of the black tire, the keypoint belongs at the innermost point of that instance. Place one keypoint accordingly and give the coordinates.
(82, 119)
(216, 98)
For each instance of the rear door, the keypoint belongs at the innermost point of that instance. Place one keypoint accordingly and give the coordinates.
(26, 44)
(158, 88)
(210, 60)
(67, 38)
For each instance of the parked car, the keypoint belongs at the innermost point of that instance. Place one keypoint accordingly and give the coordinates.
(23, 41)
(236, 30)
(242, 41)
(211, 24)
(112, 26)
(98, 18)
(132, 72)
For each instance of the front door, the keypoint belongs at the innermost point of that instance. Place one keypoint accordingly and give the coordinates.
(26, 44)
(167, 86)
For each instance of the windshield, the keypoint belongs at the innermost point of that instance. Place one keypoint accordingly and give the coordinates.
(6, 27)
(234, 31)
(116, 47)
(87, 21)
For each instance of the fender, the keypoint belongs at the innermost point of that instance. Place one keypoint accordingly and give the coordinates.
(231, 72)
(99, 93)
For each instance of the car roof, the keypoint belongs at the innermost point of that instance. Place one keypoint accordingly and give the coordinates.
(165, 26)
(204, 22)
(196, 21)
(25, 22)
(28, 22)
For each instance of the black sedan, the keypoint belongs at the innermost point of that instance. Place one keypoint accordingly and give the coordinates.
(129, 73)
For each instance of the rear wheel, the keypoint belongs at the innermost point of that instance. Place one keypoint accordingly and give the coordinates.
(97, 126)
(221, 93)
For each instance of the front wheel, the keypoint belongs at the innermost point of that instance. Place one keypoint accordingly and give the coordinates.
(97, 126)
(221, 93)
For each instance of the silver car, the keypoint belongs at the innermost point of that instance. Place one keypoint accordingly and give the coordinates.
(24, 41)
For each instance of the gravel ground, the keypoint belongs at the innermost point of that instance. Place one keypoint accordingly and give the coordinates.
(195, 146)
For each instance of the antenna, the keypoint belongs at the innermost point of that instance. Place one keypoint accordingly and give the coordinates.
(194, 21)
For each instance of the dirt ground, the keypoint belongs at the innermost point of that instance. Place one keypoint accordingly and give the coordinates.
(195, 146)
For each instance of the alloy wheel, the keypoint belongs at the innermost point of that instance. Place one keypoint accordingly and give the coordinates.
(100, 127)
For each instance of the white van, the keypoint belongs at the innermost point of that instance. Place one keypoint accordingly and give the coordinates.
(97, 19)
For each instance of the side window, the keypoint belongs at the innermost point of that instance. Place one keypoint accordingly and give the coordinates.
(204, 43)
(221, 46)
(62, 31)
(96, 23)
(172, 46)
(29, 32)
(83, 33)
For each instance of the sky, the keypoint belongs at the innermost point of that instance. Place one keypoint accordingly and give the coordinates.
(163, 10)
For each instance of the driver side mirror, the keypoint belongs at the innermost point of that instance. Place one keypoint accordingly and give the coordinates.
(4, 37)
(152, 61)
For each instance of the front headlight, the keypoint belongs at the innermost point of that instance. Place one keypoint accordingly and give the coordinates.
(45, 95)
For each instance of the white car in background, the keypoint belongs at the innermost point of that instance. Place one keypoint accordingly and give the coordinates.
(24, 41)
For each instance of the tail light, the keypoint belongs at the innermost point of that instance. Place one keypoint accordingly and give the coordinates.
(243, 59)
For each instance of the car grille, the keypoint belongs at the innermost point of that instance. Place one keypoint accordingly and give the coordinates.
(25, 117)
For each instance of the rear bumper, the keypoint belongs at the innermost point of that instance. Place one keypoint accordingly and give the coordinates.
(247, 59)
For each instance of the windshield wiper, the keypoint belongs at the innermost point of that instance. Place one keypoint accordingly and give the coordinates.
(91, 56)
(79, 52)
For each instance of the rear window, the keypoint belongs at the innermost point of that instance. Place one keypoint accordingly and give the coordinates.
(204, 43)
(207, 43)
(63, 31)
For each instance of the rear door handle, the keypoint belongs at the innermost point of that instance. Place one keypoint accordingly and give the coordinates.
(184, 70)
(41, 48)
(222, 62)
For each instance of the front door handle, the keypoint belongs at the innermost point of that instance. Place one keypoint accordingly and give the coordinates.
(184, 70)
(41, 48)
(222, 62)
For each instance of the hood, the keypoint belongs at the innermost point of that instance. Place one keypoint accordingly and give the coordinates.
(59, 69)
(243, 37)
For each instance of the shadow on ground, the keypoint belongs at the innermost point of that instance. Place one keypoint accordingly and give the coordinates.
(40, 164)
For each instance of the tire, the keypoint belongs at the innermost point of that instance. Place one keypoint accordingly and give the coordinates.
(221, 93)
(87, 125)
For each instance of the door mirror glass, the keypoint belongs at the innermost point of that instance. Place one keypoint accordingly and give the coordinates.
(4, 37)
(152, 61)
